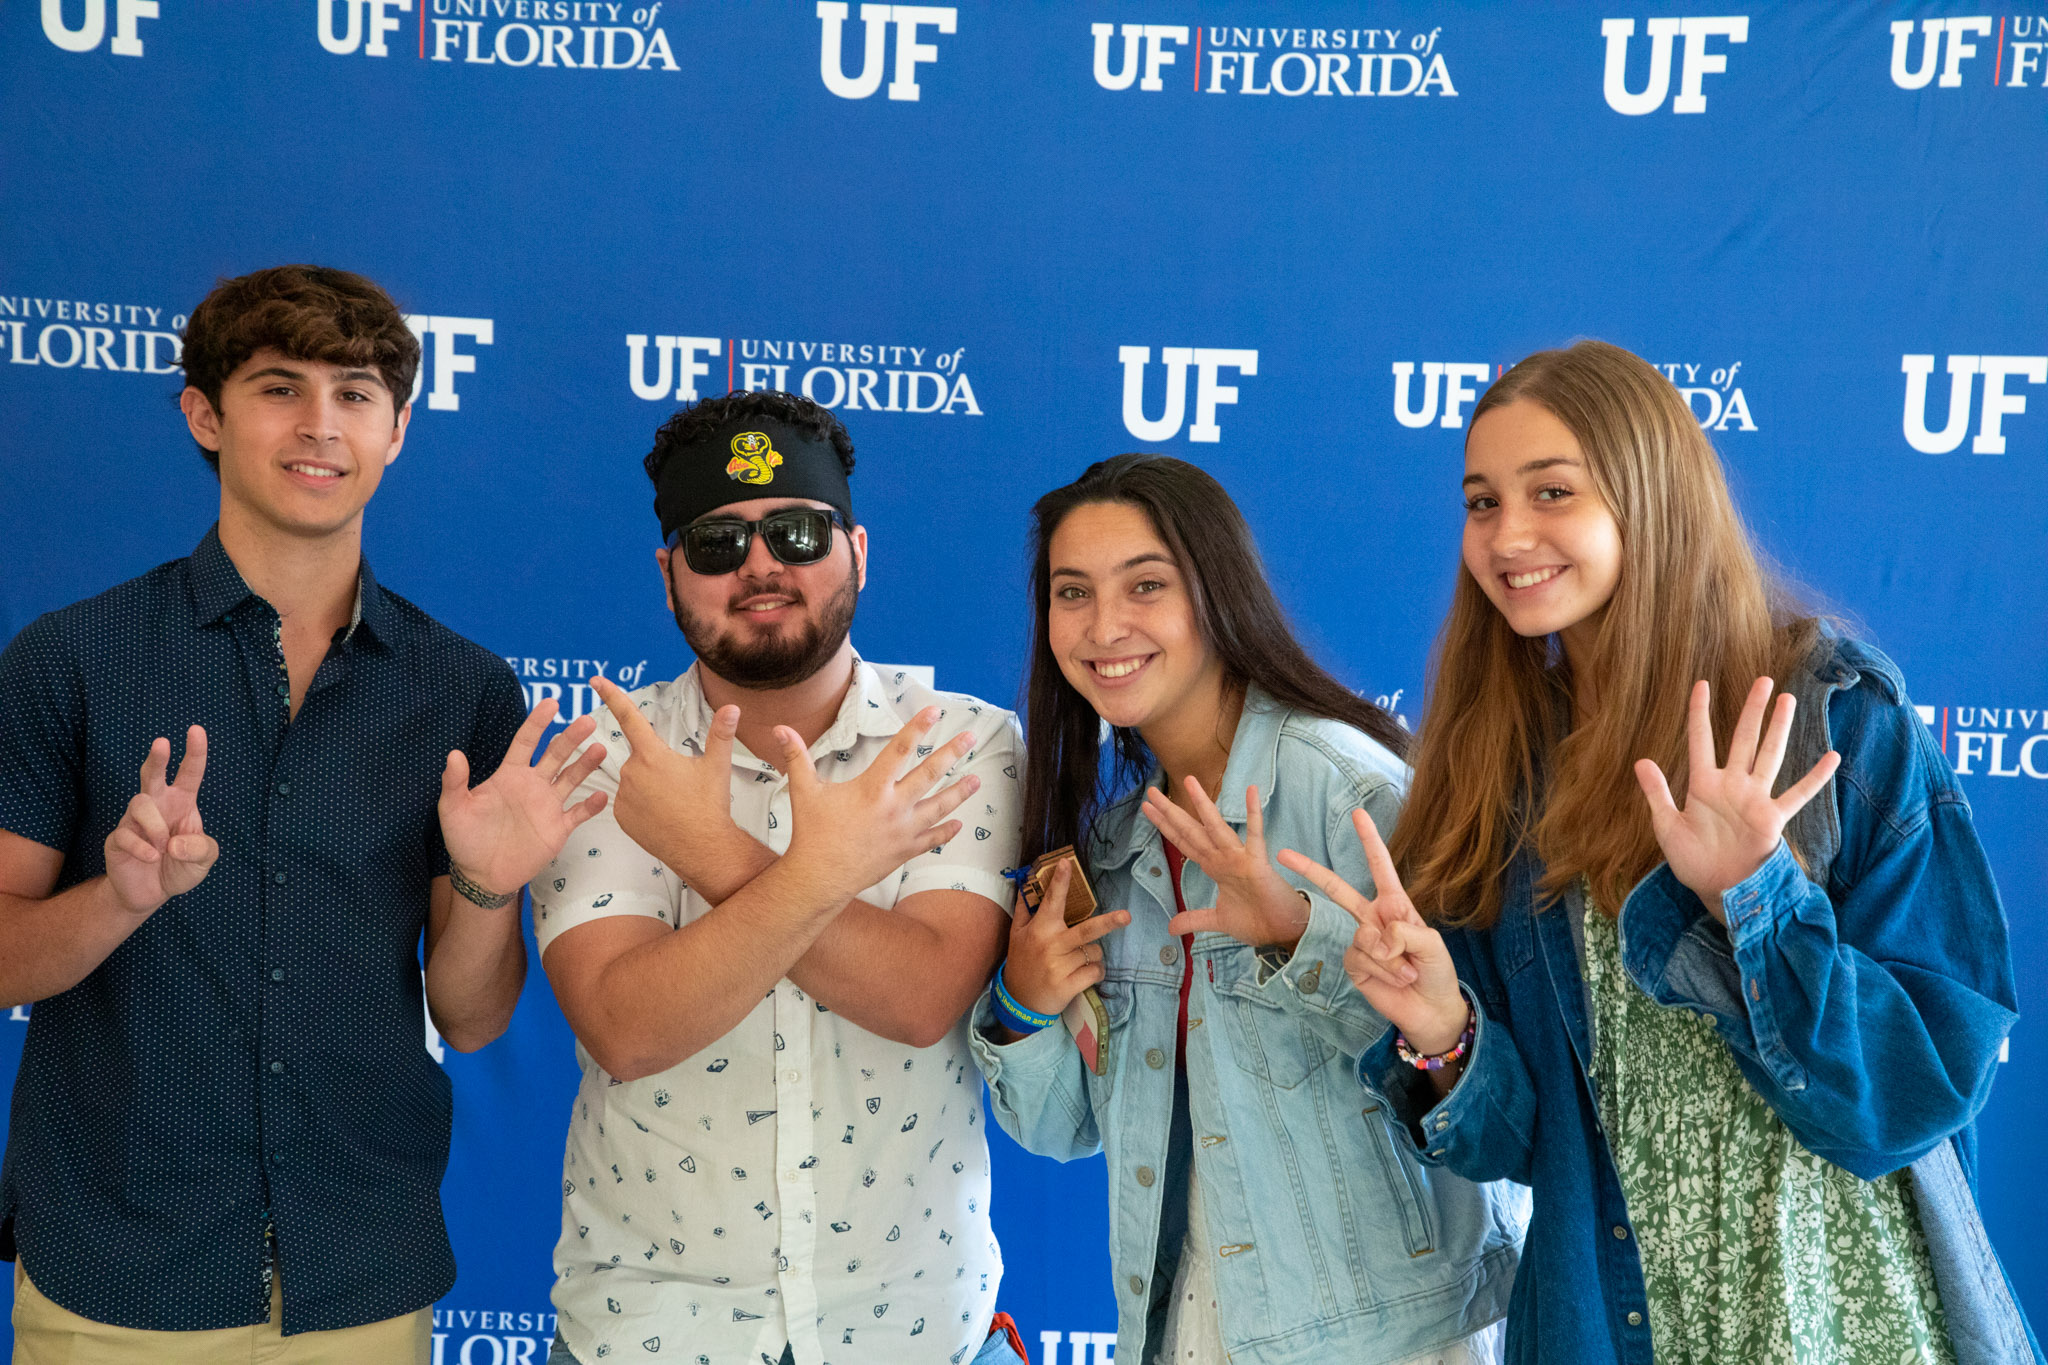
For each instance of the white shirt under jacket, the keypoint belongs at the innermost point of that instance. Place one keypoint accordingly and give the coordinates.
(801, 1180)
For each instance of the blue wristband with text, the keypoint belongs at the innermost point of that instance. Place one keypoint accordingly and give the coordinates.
(1014, 1016)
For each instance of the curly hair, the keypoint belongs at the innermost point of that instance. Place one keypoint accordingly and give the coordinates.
(307, 312)
(690, 424)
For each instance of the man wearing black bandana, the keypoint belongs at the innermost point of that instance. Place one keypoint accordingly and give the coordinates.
(767, 944)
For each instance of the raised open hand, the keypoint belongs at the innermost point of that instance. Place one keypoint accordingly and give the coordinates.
(502, 832)
(161, 848)
(670, 803)
(1399, 964)
(1254, 904)
(1051, 961)
(852, 834)
(1731, 823)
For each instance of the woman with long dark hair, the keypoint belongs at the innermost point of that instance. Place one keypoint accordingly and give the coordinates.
(1734, 1045)
(1258, 1212)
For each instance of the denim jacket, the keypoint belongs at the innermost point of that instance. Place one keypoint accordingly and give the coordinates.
(1332, 1240)
(1865, 1000)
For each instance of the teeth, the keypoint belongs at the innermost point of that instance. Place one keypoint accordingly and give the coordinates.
(1122, 670)
(315, 471)
(765, 606)
(1530, 580)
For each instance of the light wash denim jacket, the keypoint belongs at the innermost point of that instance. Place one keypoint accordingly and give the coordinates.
(1332, 1241)
(1864, 998)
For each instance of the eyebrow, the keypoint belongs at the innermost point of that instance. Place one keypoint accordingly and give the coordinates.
(299, 376)
(1148, 557)
(1528, 468)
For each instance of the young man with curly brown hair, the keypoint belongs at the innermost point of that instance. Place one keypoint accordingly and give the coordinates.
(227, 1139)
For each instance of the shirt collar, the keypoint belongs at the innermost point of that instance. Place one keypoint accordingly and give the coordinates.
(218, 588)
(867, 711)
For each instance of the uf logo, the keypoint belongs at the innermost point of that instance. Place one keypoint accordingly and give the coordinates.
(1930, 44)
(1698, 63)
(87, 35)
(909, 51)
(352, 37)
(1436, 374)
(1208, 393)
(448, 362)
(1962, 373)
(1151, 39)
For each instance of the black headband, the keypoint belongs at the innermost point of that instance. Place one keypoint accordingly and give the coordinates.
(746, 459)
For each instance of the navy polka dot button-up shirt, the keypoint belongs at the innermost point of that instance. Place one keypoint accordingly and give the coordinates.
(255, 1051)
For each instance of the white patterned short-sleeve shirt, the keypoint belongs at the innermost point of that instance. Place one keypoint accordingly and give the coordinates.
(801, 1180)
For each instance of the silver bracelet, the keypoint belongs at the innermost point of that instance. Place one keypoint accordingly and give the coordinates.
(475, 894)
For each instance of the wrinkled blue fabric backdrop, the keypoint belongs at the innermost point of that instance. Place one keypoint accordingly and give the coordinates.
(1005, 241)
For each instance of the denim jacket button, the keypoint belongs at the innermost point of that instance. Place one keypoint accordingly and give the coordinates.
(1154, 1058)
(1154, 871)
(1137, 1284)
(1635, 1319)
(1620, 1233)
(1311, 979)
(1145, 1176)
(1167, 956)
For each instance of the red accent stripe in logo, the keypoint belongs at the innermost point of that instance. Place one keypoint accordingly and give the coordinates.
(728, 364)
(423, 29)
(1944, 732)
(1198, 57)
(1998, 70)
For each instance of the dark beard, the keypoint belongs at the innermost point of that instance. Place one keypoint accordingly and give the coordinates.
(782, 662)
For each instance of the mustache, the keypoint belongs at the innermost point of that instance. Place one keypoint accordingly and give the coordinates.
(755, 588)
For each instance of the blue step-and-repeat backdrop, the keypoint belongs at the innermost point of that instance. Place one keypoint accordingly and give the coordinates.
(1291, 242)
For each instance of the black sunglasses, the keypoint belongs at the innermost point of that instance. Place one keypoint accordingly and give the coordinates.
(795, 535)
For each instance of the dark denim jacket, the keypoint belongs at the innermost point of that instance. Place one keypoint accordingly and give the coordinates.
(1866, 1005)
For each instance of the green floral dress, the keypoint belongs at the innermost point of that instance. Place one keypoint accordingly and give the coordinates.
(1753, 1249)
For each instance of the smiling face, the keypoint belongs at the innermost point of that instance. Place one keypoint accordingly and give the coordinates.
(1121, 620)
(1539, 539)
(768, 624)
(302, 443)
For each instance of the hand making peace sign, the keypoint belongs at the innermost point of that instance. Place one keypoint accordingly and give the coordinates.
(1399, 964)
(161, 848)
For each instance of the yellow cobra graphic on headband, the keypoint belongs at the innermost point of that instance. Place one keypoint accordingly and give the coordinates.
(754, 458)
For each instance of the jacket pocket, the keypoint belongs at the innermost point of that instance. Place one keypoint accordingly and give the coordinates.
(1403, 1179)
(1266, 1041)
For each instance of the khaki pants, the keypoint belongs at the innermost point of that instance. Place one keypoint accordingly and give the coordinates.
(46, 1334)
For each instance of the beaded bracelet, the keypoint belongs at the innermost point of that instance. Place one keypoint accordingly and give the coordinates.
(1438, 1061)
(1014, 1016)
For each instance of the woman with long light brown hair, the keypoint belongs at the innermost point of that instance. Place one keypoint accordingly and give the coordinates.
(1734, 1041)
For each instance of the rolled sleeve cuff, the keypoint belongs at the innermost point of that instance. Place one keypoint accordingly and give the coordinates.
(1034, 1060)
(943, 877)
(1437, 1126)
(1313, 977)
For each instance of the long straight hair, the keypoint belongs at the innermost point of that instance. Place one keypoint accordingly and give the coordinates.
(1501, 763)
(1236, 614)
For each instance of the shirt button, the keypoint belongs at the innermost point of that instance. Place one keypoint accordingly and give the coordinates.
(1620, 1233)
(284, 789)
(1137, 1284)
(284, 689)
(1154, 1058)
(277, 877)
(277, 1158)
(1145, 1176)
(792, 1076)
(1635, 1319)
(277, 1068)
(1167, 956)
(277, 973)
